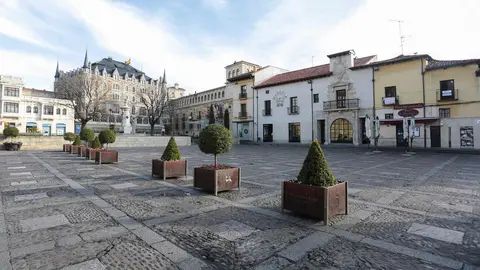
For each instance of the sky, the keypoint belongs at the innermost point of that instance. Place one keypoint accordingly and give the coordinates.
(193, 40)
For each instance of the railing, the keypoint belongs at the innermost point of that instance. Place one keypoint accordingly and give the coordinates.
(352, 103)
(267, 112)
(388, 101)
(293, 110)
(242, 114)
(447, 95)
(242, 95)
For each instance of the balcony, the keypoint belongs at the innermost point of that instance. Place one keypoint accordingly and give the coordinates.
(242, 115)
(242, 96)
(293, 110)
(390, 101)
(447, 95)
(267, 112)
(341, 104)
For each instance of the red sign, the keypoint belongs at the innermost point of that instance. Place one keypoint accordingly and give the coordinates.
(408, 106)
(408, 113)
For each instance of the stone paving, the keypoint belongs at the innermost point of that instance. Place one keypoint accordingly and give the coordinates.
(59, 211)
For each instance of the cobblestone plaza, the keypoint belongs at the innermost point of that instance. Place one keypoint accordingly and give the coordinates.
(59, 211)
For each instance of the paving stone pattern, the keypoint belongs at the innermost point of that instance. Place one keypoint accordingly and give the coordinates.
(59, 211)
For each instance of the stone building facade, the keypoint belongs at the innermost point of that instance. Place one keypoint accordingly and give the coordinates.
(125, 84)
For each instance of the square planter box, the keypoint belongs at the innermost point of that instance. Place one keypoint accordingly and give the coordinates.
(214, 181)
(169, 169)
(91, 153)
(74, 149)
(82, 151)
(104, 156)
(316, 202)
(67, 147)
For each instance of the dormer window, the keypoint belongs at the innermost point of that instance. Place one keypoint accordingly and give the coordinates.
(29, 109)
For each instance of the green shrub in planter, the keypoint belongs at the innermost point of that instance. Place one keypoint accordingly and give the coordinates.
(96, 143)
(215, 140)
(69, 136)
(87, 135)
(10, 132)
(107, 136)
(171, 151)
(315, 169)
(77, 141)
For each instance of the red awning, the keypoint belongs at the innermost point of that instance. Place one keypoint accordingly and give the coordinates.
(400, 121)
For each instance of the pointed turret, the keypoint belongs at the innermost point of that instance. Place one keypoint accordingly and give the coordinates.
(164, 79)
(57, 72)
(85, 61)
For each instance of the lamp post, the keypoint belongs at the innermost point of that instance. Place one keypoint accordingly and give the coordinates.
(311, 103)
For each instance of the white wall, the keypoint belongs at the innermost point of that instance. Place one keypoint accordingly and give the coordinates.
(266, 73)
(363, 86)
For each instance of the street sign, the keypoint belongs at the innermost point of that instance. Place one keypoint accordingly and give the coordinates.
(408, 113)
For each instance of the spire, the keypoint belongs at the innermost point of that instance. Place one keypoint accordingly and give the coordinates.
(164, 80)
(57, 72)
(85, 62)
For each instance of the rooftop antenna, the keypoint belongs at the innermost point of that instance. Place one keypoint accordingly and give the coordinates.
(402, 37)
(312, 60)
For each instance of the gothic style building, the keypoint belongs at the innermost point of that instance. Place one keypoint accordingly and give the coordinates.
(124, 84)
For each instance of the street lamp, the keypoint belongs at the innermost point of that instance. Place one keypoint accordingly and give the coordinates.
(311, 103)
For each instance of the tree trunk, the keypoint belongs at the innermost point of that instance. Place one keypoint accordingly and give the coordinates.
(84, 123)
(215, 157)
(152, 129)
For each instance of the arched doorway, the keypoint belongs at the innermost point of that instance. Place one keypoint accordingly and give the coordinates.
(341, 131)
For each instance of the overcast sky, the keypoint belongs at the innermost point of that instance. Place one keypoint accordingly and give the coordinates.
(195, 39)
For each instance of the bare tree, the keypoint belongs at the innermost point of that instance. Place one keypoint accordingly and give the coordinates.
(86, 93)
(154, 100)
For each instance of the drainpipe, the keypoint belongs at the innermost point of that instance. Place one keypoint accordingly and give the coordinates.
(253, 105)
(374, 109)
(424, 108)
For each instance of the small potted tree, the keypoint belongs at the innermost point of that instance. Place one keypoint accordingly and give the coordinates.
(106, 156)
(87, 135)
(77, 143)
(9, 133)
(92, 152)
(170, 164)
(216, 140)
(315, 193)
(69, 136)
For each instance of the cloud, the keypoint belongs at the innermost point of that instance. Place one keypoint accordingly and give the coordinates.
(215, 4)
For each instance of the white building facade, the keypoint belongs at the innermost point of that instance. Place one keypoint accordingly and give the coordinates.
(327, 102)
(32, 110)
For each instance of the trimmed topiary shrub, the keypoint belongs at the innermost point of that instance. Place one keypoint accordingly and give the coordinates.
(10, 132)
(77, 141)
(69, 136)
(96, 143)
(226, 119)
(315, 169)
(215, 140)
(87, 135)
(107, 136)
(171, 151)
(211, 115)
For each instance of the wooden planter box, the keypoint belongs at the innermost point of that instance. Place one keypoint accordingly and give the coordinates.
(169, 169)
(106, 156)
(91, 153)
(316, 202)
(212, 180)
(82, 151)
(67, 148)
(74, 149)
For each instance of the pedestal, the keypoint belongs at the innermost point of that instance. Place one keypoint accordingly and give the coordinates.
(126, 126)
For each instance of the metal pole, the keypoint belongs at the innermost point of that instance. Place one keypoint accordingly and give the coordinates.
(311, 103)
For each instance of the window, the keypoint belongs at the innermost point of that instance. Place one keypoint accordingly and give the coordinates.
(238, 72)
(268, 107)
(341, 98)
(115, 109)
(294, 105)
(229, 73)
(215, 95)
(12, 92)
(133, 109)
(223, 94)
(199, 115)
(116, 97)
(444, 112)
(243, 91)
(29, 109)
(35, 109)
(243, 110)
(10, 107)
(315, 98)
(143, 111)
(58, 111)
(389, 116)
(391, 91)
(341, 131)
(293, 132)
(133, 89)
(116, 87)
(133, 98)
(447, 90)
(64, 111)
(48, 110)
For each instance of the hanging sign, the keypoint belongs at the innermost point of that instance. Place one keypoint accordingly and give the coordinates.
(408, 106)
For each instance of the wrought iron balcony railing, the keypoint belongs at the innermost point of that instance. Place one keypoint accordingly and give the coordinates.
(293, 110)
(447, 95)
(242, 114)
(267, 112)
(340, 104)
(242, 95)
